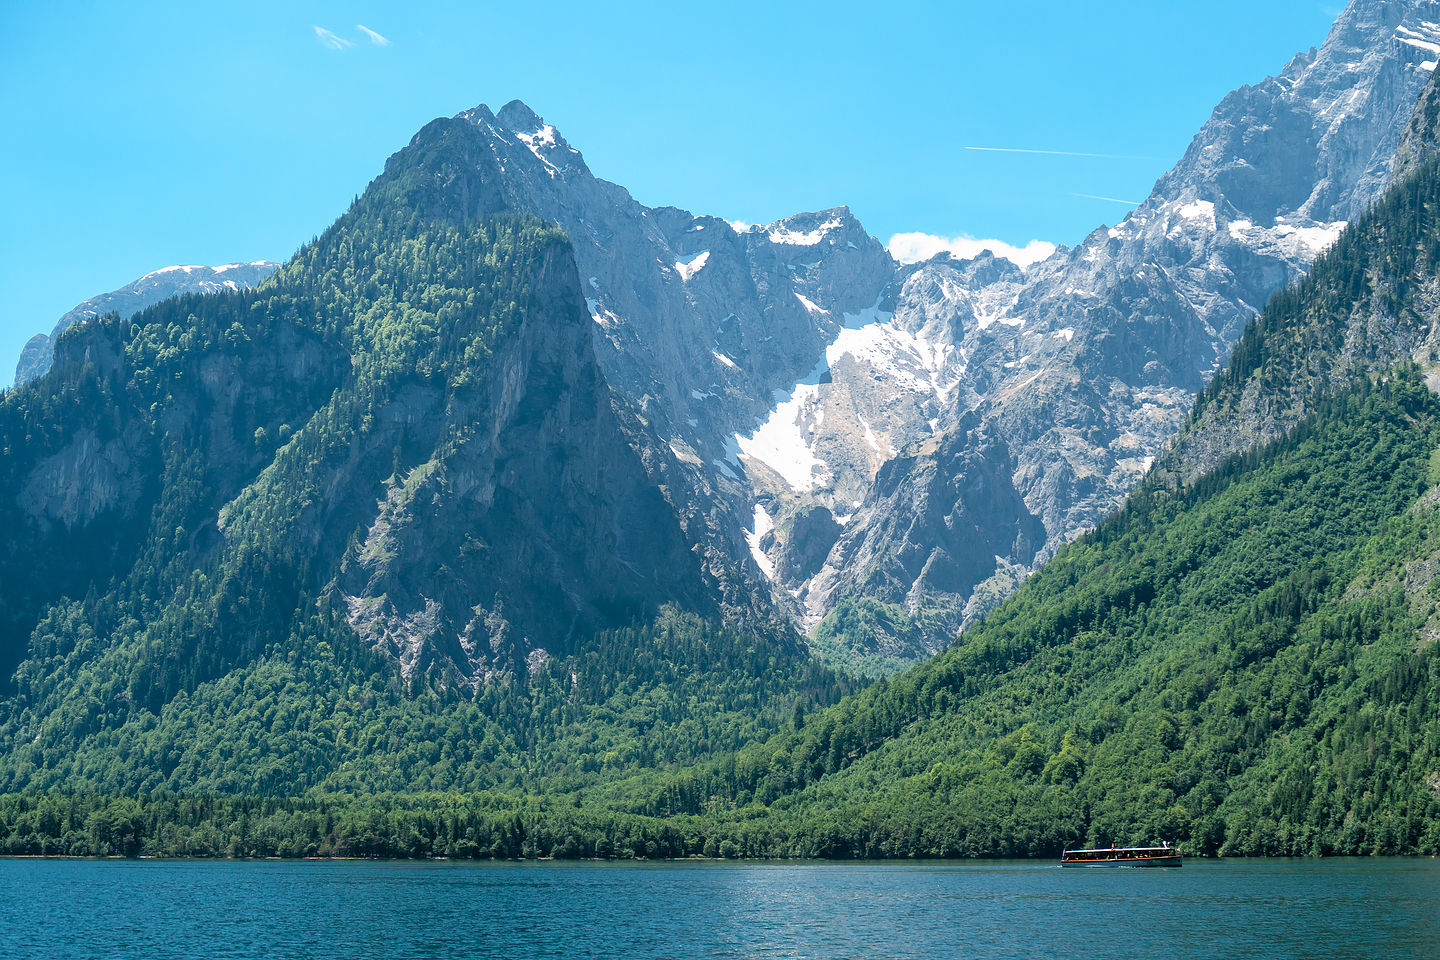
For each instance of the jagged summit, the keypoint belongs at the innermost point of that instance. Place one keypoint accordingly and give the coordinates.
(794, 360)
(517, 125)
(1083, 369)
(1316, 140)
(834, 225)
(517, 115)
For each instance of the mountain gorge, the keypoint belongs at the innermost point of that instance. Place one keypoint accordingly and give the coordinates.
(1242, 659)
(890, 449)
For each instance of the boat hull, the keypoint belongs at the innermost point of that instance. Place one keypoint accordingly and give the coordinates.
(1174, 861)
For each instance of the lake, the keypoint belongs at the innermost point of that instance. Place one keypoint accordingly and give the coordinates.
(1234, 909)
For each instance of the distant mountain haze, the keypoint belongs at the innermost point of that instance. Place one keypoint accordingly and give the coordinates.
(155, 286)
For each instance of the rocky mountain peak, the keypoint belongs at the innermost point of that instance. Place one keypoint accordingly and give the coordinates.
(518, 134)
(517, 116)
(1317, 139)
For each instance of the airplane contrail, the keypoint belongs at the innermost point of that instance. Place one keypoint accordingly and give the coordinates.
(1060, 153)
(1092, 196)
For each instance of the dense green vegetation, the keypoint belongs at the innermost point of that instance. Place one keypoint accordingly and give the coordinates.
(1235, 666)
(414, 825)
(179, 630)
(316, 711)
(855, 625)
(1240, 667)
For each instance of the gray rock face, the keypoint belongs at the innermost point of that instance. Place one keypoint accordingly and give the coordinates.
(541, 526)
(1421, 138)
(1087, 364)
(39, 351)
(820, 422)
(695, 320)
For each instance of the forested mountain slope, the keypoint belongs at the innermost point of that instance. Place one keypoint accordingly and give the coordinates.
(378, 522)
(1244, 661)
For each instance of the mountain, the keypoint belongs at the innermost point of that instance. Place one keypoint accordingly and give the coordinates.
(387, 490)
(39, 351)
(509, 480)
(1242, 659)
(907, 443)
(1067, 379)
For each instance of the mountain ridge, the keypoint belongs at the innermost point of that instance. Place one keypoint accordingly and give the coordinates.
(38, 353)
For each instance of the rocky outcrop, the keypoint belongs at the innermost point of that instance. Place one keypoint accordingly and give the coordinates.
(812, 421)
(937, 520)
(1421, 138)
(789, 366)
(532, 523)
(697, 321)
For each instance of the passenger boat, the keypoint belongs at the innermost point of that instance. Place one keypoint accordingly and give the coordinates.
(1163, 856)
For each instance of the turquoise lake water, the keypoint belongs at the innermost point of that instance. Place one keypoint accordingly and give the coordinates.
(1234, 909)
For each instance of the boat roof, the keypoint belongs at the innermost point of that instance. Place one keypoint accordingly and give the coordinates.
(1121, 849)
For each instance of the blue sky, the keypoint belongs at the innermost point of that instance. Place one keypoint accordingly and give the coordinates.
(155, 134)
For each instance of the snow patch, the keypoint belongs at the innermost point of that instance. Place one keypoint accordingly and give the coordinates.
(1415, 40)
(1198, 210)
(1317, 237)
(875, 443)
(783, 441)
(984, 316)
(724, 359)
(811, 305)
(762, 525)
(779, 234)
(688, 268)
(542, 138)
(599, 314)
(910, 360)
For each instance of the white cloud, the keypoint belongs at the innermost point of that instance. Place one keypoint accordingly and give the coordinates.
(914, 247)
(330, 40)
(375, 38)
(739, 226)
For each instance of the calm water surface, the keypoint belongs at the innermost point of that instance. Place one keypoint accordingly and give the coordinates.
(1232, 909)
